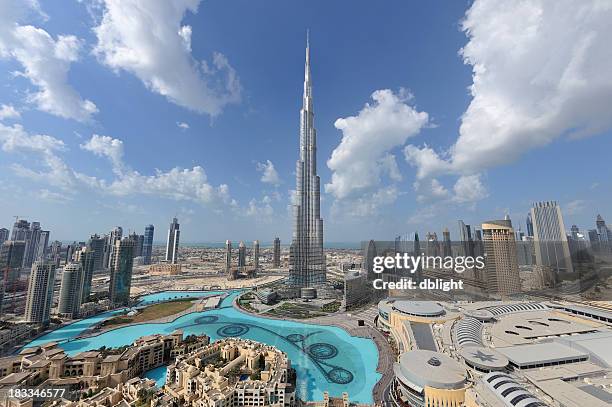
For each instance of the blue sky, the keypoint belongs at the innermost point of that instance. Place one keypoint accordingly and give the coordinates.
(137, 128)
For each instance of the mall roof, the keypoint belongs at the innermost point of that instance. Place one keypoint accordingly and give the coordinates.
(418, 308)
(545, 353)
(422, 368)
(597, 344)
(510, 391)
(484, 358)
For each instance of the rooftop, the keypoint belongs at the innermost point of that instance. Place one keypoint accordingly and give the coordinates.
(426, 368)
(541, 353)
(418, 308)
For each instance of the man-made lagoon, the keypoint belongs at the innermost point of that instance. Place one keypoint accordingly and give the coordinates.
(325, 358)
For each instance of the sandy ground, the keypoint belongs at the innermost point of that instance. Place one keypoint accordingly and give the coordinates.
(199, 283)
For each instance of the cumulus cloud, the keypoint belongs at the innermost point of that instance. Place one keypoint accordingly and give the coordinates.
(147, 39)
(182, 125)
(45, 60)
(541, 71)
(108, 147)
(269, 175)
(469, 188)
(262, 210)
(364, 154)
(9, 112)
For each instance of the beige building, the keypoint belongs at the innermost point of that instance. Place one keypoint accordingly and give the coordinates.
(232, 372)
(501, 265)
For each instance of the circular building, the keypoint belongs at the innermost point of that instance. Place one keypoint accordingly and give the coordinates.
(424, 378)
(483, 315)
(483, 359)
(427, 309)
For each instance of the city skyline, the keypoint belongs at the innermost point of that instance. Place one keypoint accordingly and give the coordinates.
(89, 160)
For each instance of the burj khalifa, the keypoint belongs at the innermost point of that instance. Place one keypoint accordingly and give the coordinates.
(307, 261)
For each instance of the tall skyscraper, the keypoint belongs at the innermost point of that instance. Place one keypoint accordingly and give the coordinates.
(121, 272)
(21, 230)
(501, 264)
(465, 233)
(86, 258)
(529, 225)
(147, 244)
(256, 254)
(71, 291)
(276, 255)
(550, 241)
(369, 260)
(31, 249)
(4, 235)
(604, 234)
(241, 255)
(96, 245)
(43, 244)
(40, 292)
(115, 235)
(11, 259)
(228, 256)
(55, 252)
(307, 260)
(446, 243)
(172, 243)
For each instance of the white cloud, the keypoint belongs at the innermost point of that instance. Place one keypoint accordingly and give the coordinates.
(147, 39)
(269, 175)
(9, 112)
(51, 196)
(105, 146)
(364, 154)
(45, 61)
(182, 125)
(365, 205)
(541, 71)
(469, 188)
(261, 210)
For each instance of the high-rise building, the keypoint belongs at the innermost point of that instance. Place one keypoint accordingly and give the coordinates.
(21, 230)
(4, 235)
(55, 252)
(40, 292)
(604, 233)
(529, 225)
(432, 246)
(71, 291)
(43, 244)
(276, 254)
(31, 249)
(147, 244)
(121, 272)
(241, 255)
(465, 233)
(550, 241)
(172, 243)
(306, 259)
(11, 259)
(228, 256)
(139, 246)
(96, 245)
(86, 258)
(447, 249)
(501, 264)
(256, 254)
(369, 260)
(113, 237)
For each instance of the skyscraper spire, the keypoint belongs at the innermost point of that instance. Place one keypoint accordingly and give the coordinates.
(307, 262)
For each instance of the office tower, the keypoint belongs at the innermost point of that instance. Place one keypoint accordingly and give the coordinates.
(109, 245)
(256, 254)
(604, 233)
(276, 256)
(21, 230)
(172, 244)
(40, 292)
(96, 245)
(55, 252)
(4, 235)
(369, 260)
(32, 240)
(467, 242)
(306, 259)
(228, 256)
(529, 225)
(139, 245)
(11, 259)
(446, 243)
(71, 291)
(147, 244)
(70, 249)
(501, 264)
(86, 258)
(121, 272)
(43, 244)
(477, 243)
(578, 247)
(241, 255)
(550, 240)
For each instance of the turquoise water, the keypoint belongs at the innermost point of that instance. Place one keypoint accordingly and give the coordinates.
(325, 358)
